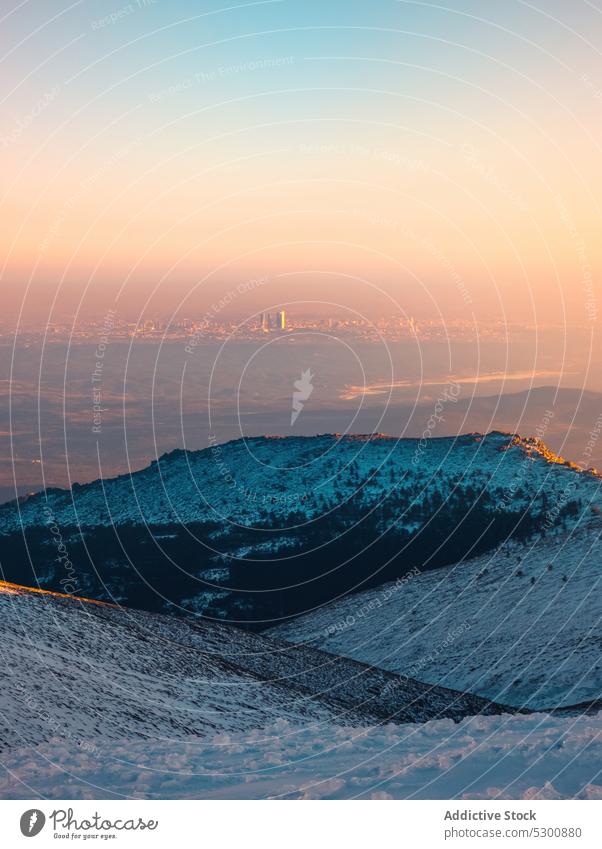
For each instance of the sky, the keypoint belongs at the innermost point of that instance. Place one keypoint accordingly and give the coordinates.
(427, 159)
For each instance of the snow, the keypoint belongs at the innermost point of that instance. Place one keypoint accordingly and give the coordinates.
(493, 757)
(519, 625)
(95, 671)
(104, 702)
(396, 491)
(395, 692)
(247, 481)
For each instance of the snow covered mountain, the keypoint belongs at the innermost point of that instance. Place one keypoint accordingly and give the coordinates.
(88, 671)
(520, 625)
(253, 482)
(103, 702)
(258, 530)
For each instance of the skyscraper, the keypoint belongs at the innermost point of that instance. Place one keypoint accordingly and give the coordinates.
(282, 320)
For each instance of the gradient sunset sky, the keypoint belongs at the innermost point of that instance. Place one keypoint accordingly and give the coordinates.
(443, 159)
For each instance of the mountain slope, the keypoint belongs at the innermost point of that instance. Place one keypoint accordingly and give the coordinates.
(259, 530)
(520, 625)
(83, 671)
(102, 702)
(247, 480)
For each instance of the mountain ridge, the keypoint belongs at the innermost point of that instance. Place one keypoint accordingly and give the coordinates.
(528, 443)
(102, 671)
(264, 528)
(119, 704)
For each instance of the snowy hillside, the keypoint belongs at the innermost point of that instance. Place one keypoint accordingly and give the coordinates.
(248, 482)
(87, 671)
(259, 530)
(520, 625)
(102, 702)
